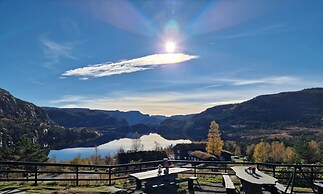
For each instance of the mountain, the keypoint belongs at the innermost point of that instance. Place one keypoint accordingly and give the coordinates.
(273, 116)
(136, 117)
(82, 117)
(292, 113)
(19, 118)
(181, 117)
(111, 124)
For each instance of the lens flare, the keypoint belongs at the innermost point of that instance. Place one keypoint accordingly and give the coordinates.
(170, 46)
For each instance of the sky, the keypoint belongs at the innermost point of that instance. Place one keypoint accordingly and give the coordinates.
(158, 57)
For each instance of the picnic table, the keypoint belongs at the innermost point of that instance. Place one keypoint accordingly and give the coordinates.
(319, 185)
(252, 182)
(153, 176)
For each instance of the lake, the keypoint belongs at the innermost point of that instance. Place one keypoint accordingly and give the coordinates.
(111, 148)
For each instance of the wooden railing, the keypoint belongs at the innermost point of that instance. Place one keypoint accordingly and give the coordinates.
(39, 172)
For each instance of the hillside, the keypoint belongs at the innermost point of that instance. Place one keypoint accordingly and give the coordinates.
(82, 117)
(20, 118)
(283, 115)
(288, 111)
(136, 117)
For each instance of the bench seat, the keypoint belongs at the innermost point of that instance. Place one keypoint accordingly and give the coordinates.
(319, 185)
(227, 183)
(281, 188)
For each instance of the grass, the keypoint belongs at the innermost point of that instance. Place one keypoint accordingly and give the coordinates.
(50, 188)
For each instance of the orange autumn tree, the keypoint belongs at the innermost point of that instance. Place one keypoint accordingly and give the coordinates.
(214, 144)
(290, 155)
(277, 151)
(262, 152)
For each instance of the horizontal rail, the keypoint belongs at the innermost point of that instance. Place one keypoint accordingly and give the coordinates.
(19, 171)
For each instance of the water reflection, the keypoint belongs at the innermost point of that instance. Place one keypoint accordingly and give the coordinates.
(112, 147)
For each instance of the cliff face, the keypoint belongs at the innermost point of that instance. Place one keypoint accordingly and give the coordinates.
(20, 118)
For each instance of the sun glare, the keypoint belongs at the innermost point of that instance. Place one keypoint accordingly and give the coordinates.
(170, 46)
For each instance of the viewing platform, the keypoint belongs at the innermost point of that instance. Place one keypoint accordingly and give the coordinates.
(191, 176)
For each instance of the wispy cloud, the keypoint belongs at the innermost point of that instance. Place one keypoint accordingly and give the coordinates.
(219, 81)
(266, 80)
(257, 32)
(193, 100)
(129, 66)
(155, 103)
(54, 51)
(69, 99)
(225, 102)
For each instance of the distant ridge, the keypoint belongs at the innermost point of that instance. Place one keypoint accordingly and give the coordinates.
(84, 117)
(302, 109)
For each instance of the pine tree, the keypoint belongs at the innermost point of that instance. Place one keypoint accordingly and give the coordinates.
(214, 144)
(250, 150)
(26, 150)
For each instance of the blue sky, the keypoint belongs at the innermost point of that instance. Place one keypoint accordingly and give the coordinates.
(111, 54)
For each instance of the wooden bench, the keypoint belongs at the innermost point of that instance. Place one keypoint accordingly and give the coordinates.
(189, 180)
(319, 185)
(281, 188)
(227, 183)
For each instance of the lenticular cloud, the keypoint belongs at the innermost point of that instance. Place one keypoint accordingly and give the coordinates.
(129, 66)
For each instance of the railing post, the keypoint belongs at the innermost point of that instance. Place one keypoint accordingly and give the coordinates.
(195, 170)
(225, 167)
(274, 171)
(77, 176)
(109, 175)
(312, 174)
(36, 175)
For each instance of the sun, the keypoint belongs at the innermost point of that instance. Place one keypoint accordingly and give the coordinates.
(170, 46)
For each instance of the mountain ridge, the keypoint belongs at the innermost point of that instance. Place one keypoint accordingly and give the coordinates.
(272, 111)
(19, 118)
(266, 116)
(109, 116)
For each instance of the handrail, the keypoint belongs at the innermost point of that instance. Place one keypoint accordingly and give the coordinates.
(16, 171)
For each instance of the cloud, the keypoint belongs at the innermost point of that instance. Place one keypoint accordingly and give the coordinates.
(155, 103)
(225, 102)
(258, 32)
(193, 100)
(54, 51)
(69, 99)
(275, 80)
(129, 66)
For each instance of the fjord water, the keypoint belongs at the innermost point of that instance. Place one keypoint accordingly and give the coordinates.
(110, 148)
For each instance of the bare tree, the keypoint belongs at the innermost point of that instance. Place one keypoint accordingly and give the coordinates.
(136, 143)
(158, 147)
